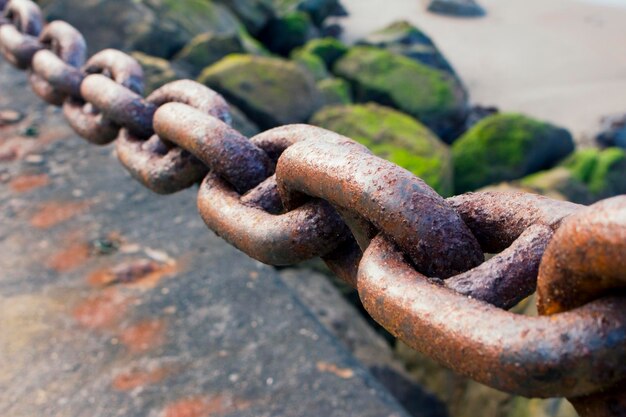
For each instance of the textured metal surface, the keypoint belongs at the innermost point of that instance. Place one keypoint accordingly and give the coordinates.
(297, 192)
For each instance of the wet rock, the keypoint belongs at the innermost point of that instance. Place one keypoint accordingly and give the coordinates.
(394, 136)
(270, 91)
(157, 71)
(319, 10)
(613, 131)
(587, 176)
(431, 96)
(405, 39)
(155, 27)
(505, 147)
(311, 63)
(253, 13)
(461, 8)
(335, 91)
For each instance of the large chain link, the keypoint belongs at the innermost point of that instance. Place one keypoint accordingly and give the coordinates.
(298, 192)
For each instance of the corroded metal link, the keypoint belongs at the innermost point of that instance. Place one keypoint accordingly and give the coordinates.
(509, 277)
(87, 120)
(395, 201)
(119, 104)
(585, 261)
(211, 140)
(574, 353)
(19, 33)
(311, 230)
(55, 71)
(497, 219)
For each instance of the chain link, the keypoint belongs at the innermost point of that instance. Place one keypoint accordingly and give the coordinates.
(298, 192)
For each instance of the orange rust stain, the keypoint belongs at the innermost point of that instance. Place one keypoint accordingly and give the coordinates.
(344, 373)
(55, 212)
(204, 406)
(103, 310)
(26, 183)
(144, 336)
(136, 378)
(70, 258)
(142, 273)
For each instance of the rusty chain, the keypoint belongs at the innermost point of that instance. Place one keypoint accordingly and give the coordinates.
(298, 192)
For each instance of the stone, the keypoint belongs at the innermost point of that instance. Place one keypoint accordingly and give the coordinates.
(431, 96)
(156, 27)
(253, 13)
(242, 123)
(285, 33)
(506, 147)
(405, 39)
(459, 8)
(311, 63)
(335, 91)
(613, 131)
(270, 91)
(206, 49)
(394, 136)
(319, 10)
(329, 50)
(156, 71)
(587, 176)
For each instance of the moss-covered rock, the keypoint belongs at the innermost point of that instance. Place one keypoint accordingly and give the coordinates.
(433, 97)
(253, 13)
(319, 10)
(156, 27)
(335, 91)
(242, 124)
(285, 33)
(506, 147)
(157, 71)
(405, 39)
(271, 91)
(587, 176)
(329, 50)
(206, 49)
(394, 136)
(311, 63)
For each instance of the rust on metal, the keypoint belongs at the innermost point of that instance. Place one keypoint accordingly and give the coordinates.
(395, 201)
(570, 354)
(297, 192)
(55, 73)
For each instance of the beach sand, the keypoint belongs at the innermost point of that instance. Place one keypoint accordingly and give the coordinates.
(563, 61)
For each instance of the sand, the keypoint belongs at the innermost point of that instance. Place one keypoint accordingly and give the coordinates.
(563, 61)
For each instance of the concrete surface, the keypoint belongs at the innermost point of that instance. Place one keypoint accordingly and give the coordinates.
(117, 302)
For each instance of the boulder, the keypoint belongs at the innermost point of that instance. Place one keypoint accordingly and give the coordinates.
(431, 96)
(285, 33)
(253, 13)
(405, 39)
(335, 91)
(270, 91)
(155, 27)
(156, 71)
(329, 50)
(242, 124)
(506, 147)
(587, 176)
(394, 136)
(460, 8)
(613, 131)
(310, 62)
(319, 10)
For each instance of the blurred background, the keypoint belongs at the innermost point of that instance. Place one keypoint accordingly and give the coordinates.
(467, 95)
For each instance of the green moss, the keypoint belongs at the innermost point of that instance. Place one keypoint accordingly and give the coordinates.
(431, 96)
(394, 136)
(505, 147)
(288, 32)
(312, 63)
(602, 170)
(335, 91)
(329, 50)
(271, 91)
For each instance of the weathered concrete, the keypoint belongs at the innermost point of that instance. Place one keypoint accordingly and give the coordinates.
(116, 302)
